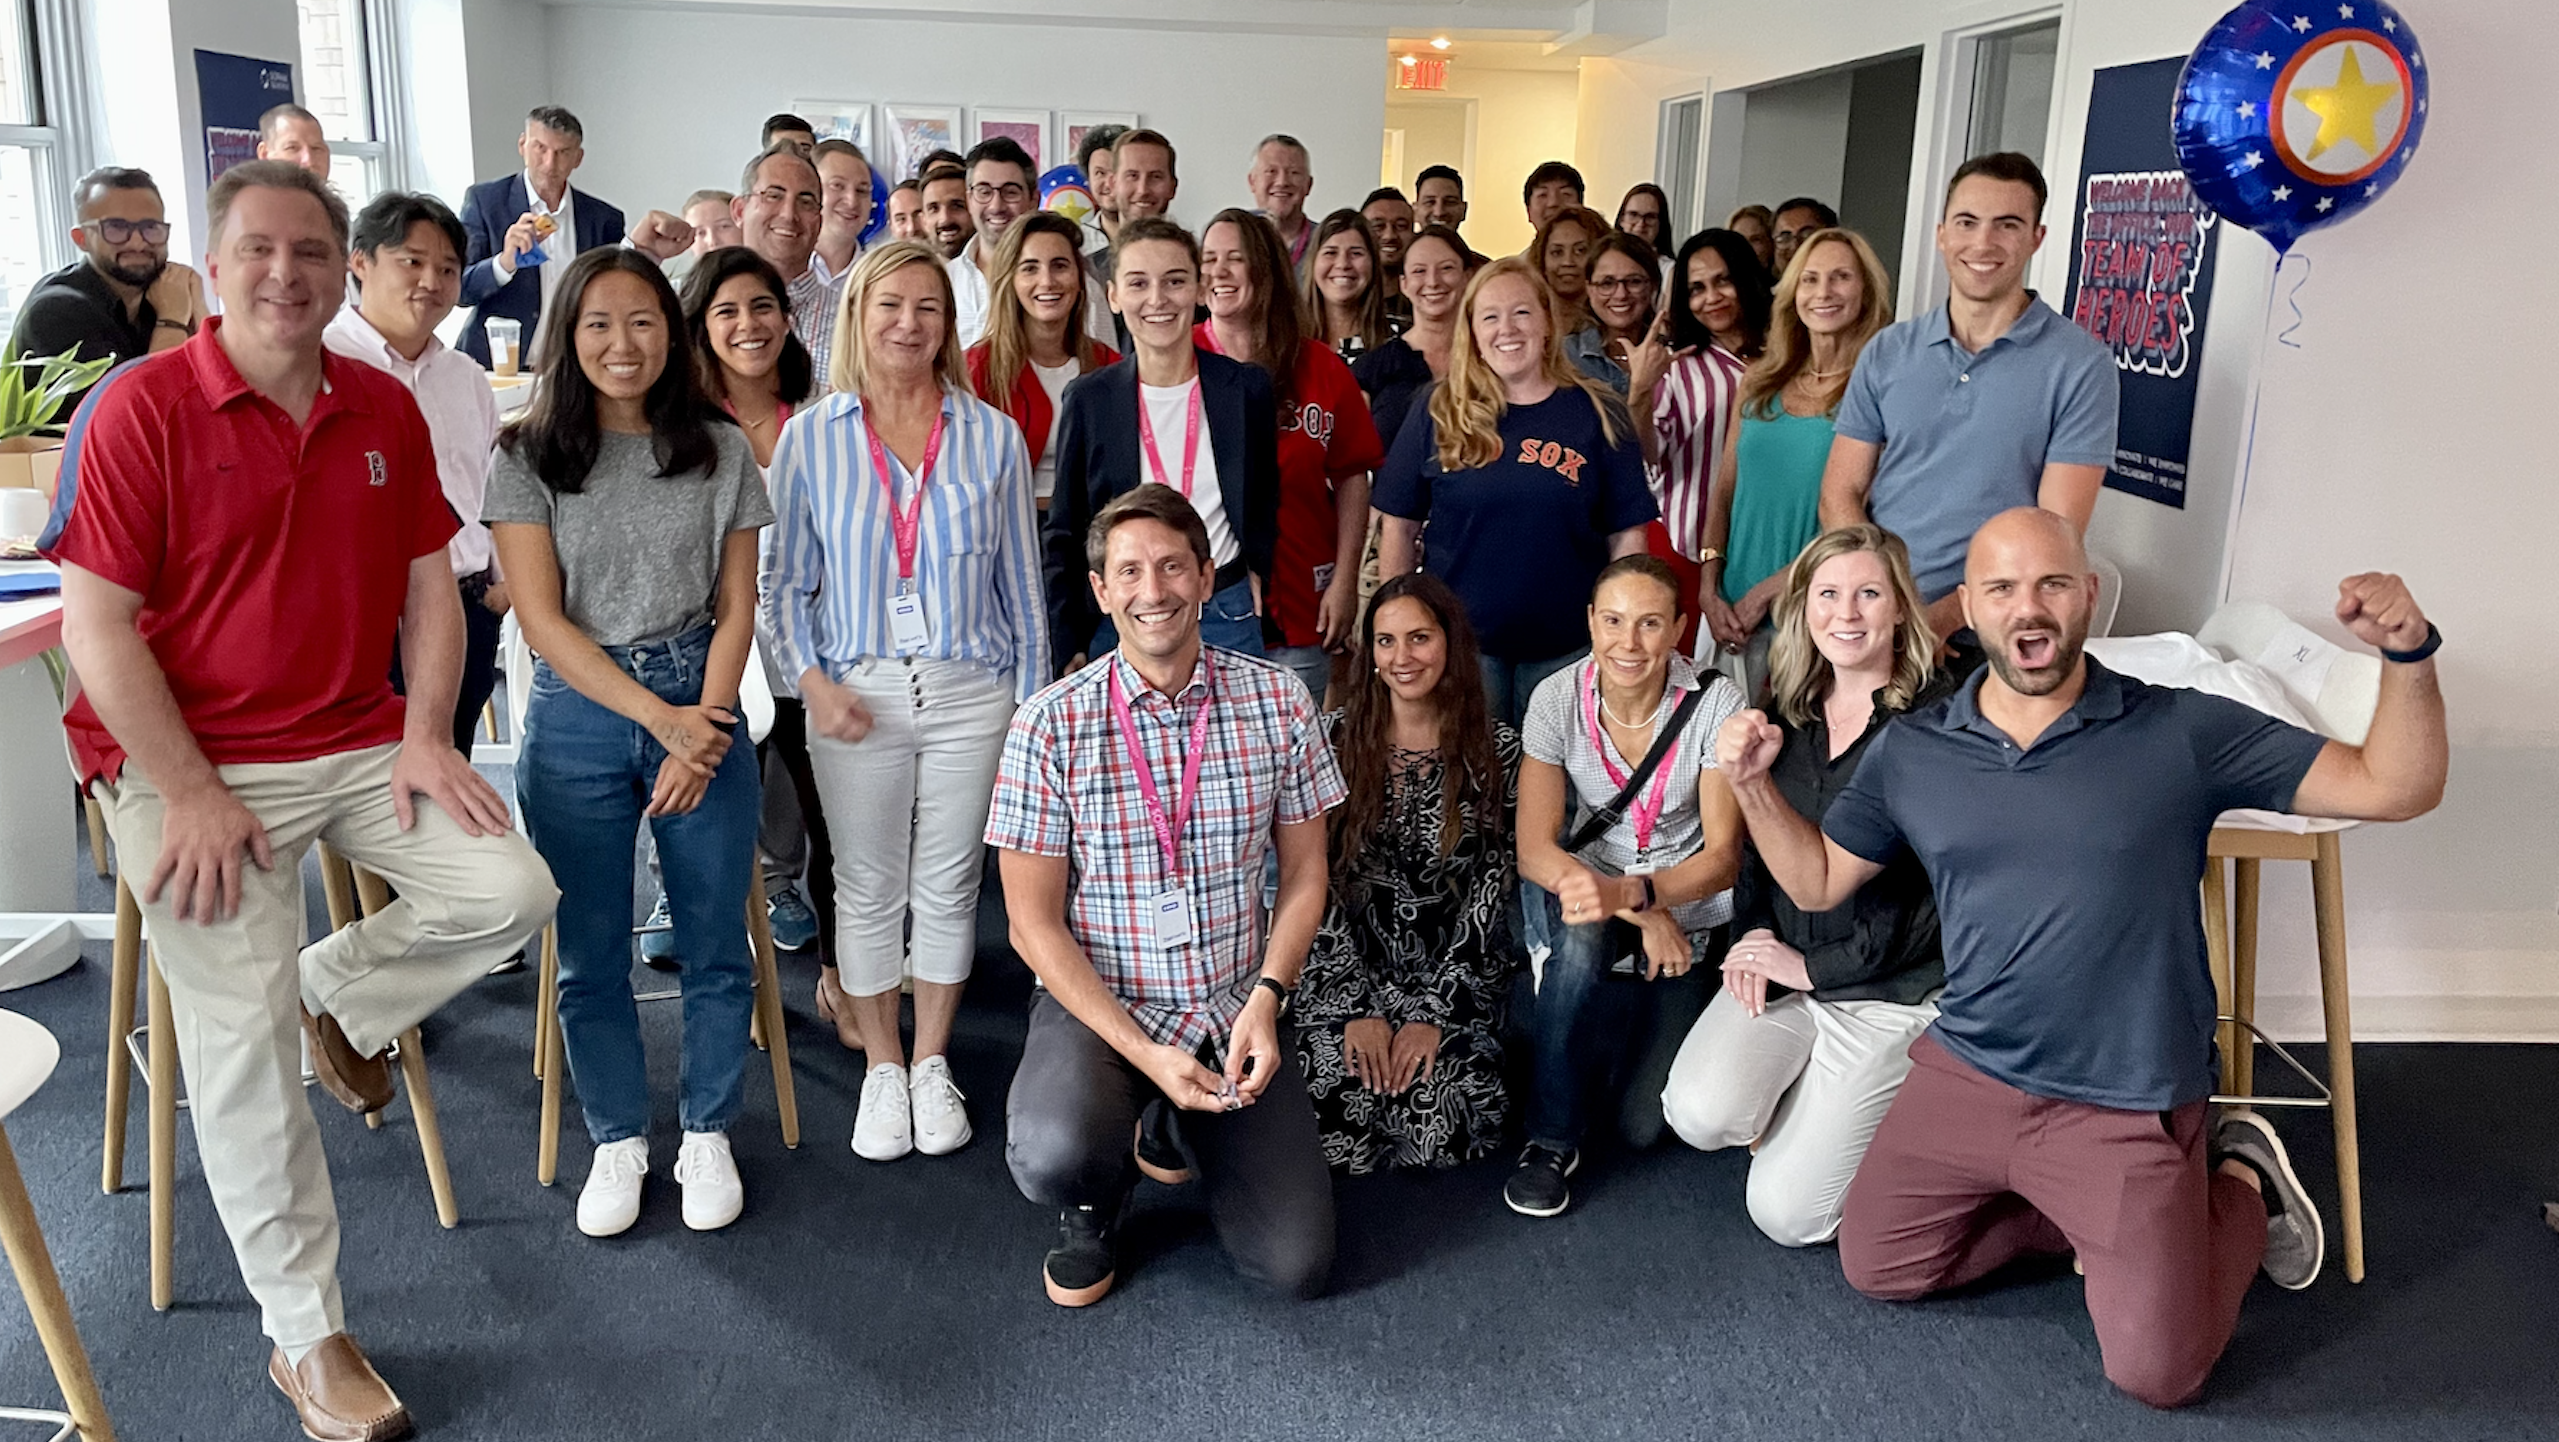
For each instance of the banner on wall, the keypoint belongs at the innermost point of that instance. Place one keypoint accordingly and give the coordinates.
(233, 91)
(2141, 272)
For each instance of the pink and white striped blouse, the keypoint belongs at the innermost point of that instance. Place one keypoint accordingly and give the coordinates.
(1691, 409)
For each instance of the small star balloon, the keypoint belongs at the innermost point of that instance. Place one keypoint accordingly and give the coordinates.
(2294, 116)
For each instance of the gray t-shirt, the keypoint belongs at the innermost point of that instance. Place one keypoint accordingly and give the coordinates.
(1556, 732)
(639, 552)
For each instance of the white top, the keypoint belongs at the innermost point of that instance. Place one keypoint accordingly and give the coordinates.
(969, 296)
(558, 257)
(1169, 407)
(461, 415)
(1053, 379)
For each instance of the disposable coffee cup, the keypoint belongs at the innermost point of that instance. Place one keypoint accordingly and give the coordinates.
(506, 340)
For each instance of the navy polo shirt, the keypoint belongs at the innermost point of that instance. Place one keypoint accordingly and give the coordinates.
(2066, 876)
(1966, 435)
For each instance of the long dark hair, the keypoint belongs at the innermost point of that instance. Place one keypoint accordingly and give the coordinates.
(559, 429)
(1279, 316)
(1374, 331)
(1364, 741)
(795, 375)
(1750, 281)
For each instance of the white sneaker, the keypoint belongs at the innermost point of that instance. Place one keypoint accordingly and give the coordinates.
(713, 1196)
(941, 1113)
(884, 1129)
(611, 1201)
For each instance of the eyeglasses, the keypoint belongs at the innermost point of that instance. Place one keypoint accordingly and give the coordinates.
(1623, 282)
(1014, 193)
(117, 232)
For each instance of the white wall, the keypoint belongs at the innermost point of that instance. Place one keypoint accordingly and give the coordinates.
(507, 71)
(1793, 138)
(2405, 432)
(670, 103)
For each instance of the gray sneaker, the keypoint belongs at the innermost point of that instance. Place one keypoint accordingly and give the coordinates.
(2296, 1240)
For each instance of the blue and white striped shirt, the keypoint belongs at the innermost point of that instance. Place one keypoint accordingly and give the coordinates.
(831, 569)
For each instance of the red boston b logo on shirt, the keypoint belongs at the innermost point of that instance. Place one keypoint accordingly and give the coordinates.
(1563, 460)
(376, 470)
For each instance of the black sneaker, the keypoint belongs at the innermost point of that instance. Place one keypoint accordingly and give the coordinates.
(2296, 1240)
(1536, 1187)
(1159, 1147)
(1081, 1267)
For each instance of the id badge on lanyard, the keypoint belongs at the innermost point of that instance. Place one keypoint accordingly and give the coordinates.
(909, 631)
(1168, 912)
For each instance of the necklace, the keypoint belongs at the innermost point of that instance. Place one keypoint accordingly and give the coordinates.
(1644, 725)
(1808, 373)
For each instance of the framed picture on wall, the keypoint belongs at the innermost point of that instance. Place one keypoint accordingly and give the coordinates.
(1026, 128)
(1071, 125)
(843, 120)
(911, 132)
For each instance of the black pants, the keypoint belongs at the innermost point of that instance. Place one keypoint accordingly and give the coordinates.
(788, 744)
(1071, 1122)
(479, 662)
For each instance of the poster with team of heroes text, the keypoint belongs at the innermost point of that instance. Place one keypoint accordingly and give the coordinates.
(2141, 264)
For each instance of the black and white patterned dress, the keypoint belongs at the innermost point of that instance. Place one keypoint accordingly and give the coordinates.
(1411, 935)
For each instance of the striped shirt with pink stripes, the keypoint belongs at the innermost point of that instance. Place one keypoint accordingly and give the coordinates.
(1692, 407)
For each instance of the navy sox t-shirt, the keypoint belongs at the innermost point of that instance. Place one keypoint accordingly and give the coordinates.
(1522, 539)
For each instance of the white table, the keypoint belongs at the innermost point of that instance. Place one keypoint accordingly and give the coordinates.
(40, 933)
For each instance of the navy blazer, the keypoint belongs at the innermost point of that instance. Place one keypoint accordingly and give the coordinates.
(488, 209)
(1100, 457)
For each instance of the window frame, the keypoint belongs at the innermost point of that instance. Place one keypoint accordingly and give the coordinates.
(374, 53)
(51, 170)
(1954, 61)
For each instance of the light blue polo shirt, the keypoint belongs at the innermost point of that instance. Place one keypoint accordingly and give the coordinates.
(1966, 436)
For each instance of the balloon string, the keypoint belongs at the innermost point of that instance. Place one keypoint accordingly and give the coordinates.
(2248, 447)
(2292, 297)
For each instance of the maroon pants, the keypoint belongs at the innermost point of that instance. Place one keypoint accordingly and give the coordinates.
(1968, 1173)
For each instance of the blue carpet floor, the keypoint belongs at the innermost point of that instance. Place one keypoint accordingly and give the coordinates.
(862, 1301)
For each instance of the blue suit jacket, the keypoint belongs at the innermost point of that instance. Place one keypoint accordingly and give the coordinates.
(488, 208)
(1098, 458)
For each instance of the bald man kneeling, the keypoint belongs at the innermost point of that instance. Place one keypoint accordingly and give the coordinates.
(2059, 1103)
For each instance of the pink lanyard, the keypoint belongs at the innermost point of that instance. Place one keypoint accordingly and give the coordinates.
(1190, 440)
(906, 529)
(1646, 810)
(1168, 829)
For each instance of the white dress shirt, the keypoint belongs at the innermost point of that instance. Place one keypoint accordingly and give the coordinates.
(461, 415)
(970, 297)
(558, 251)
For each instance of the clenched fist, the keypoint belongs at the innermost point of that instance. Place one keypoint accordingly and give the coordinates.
(1747, 746)
(2376, 606)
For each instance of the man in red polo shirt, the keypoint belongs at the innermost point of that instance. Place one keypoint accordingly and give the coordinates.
(246, 526)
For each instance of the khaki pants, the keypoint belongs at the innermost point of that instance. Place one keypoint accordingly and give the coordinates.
(236, 988)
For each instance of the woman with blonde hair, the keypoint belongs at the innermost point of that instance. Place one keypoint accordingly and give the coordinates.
(1803, 1049)
(1765, 501)
(904, 597)
(1346, 287)
(1038, 336)
(1529, 475)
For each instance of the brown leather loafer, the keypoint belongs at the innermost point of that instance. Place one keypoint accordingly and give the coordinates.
(339, 1395)
(361, 1083)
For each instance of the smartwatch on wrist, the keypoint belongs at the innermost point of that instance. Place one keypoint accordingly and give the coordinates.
(2419, 652)
(1646, 882)
(1278, 992)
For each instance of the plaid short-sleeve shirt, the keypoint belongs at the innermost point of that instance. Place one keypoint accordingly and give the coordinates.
(1068, 788)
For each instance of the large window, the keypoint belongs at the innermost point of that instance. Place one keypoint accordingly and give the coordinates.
(337, 86)
(2013, 91)
(1677, 166)
(31, 220)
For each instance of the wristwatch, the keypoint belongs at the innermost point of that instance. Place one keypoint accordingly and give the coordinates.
(176, 325)
(1711, 553)
(2418, 652)
(1277, 991)
(1649, 894)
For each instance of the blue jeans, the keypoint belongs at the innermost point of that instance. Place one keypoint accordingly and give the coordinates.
(585, 778)
(1588, 1031)
(1508, 684)
(1227, 620)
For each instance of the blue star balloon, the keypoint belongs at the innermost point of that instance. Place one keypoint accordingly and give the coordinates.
(879, 209)
(2291, 116)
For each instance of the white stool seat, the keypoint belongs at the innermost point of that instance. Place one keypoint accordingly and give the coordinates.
(28, 1054)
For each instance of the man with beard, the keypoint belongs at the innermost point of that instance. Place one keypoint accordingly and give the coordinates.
(122, 298)
(945, 218)
(2060, 1102)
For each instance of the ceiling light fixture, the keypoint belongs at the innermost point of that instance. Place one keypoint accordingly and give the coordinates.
(1439, 42)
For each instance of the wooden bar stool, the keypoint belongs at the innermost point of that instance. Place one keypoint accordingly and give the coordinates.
(550, 1061)
(28, 1054)
(2338, 690)
(346, 887)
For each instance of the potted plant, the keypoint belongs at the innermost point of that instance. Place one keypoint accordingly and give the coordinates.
(32, 396)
